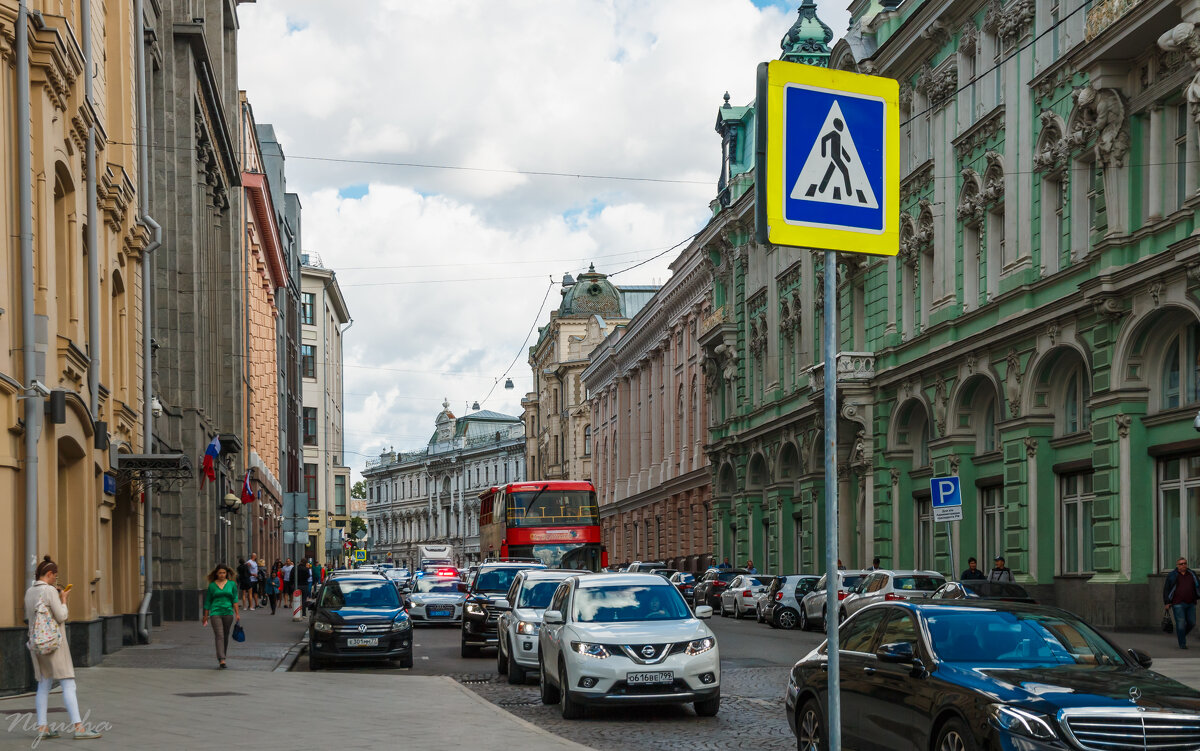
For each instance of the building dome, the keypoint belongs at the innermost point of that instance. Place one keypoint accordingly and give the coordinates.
(808, 40)
(591, 294)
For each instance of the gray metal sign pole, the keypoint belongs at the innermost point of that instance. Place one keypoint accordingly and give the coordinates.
(831, 503)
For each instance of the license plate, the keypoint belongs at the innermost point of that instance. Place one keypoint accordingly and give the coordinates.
(439, 611)
(662, 676)
(372, 642)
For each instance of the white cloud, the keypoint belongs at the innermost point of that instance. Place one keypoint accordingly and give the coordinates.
(443, 269)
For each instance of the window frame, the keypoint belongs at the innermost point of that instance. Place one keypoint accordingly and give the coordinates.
(308, 361)
(1084, 523)
(308, 306)
(1186, 480)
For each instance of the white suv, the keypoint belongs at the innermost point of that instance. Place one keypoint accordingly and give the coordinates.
(812, 607)
(530, 593)
(881, 586)
(627, 639)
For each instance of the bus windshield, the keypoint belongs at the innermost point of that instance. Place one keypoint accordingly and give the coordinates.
(552, 508)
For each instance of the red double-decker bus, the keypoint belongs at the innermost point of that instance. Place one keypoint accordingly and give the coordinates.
(555, 522)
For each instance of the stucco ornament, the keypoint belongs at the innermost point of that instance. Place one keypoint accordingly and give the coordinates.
(1185, 38)
(1110, 124)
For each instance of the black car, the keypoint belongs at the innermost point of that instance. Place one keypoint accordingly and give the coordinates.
(707, 590)
(982, 589)
(986, 674)
(359, 618)
(486, 594)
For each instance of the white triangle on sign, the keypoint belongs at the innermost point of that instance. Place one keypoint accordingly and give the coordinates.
(833, 172)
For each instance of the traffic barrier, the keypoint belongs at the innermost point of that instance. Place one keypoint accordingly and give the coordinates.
(298, 597)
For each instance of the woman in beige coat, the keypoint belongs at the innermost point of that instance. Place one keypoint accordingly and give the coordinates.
(57, 665)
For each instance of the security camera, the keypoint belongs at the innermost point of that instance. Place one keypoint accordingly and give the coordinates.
(156, 407)
(39, 387)
(1196, 422)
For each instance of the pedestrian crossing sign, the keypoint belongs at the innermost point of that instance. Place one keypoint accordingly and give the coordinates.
(829, 159)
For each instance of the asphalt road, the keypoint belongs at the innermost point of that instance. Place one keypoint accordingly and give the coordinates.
(754, 664)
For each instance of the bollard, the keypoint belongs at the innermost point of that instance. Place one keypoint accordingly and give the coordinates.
(298, 596)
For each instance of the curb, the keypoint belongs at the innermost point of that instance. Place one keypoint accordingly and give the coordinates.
(288, 661)
(569, 744)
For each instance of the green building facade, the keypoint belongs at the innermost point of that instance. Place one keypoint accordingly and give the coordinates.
(1038, 335)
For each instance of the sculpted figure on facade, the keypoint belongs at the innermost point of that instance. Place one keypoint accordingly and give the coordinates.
(1185, 38)
(1105, 112)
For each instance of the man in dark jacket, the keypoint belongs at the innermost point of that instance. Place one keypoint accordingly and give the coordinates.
(300, 580)
(972, 571)
(1180, 593)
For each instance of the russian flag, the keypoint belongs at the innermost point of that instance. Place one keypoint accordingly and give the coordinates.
(210, 457)
(247, 491)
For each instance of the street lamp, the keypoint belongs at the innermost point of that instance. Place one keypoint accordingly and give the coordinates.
(508, 384)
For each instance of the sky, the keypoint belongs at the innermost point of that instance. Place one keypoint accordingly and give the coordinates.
(413, 132)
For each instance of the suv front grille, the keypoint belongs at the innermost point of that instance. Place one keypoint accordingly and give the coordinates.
(373, 629)
(1125, 730)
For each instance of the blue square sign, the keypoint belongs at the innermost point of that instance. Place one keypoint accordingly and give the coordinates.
(833, 154)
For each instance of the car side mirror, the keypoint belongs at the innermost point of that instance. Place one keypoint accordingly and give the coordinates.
(703, 612)
(1141, 658)
(898, 653)
(551, 617)
(462, 588)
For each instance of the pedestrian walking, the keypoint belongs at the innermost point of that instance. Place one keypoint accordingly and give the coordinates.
(45, 600)
(221, 607)
(300, 583)
(243, 582)
(999, 572)
(289, 585)
(972, 571)
(252, 568)
(273, 588)
(1180, 593)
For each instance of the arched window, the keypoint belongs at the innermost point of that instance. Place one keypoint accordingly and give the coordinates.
(1076, 414)
(1181, 369)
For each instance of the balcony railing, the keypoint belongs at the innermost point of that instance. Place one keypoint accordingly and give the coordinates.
(852, 367)
(712, 320)
(1104, 14)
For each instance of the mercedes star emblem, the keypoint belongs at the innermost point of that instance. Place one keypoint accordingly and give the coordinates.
(362, 628)
(1135, 693)
(648, 650)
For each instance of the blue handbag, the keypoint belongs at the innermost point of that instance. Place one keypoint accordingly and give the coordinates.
(239, 634)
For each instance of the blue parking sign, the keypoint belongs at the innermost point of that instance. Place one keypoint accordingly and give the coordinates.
(946, 494)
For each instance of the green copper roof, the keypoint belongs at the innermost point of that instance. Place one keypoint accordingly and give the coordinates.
(591, 294)
(808, 40)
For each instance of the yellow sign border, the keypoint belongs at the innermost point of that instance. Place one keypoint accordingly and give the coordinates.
(779, 231)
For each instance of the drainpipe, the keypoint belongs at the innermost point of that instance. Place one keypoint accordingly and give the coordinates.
(147, 315)
(92, 221)
(33, 401)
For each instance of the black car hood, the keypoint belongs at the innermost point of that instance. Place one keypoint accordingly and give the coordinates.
(361, 615)
(1050, 688)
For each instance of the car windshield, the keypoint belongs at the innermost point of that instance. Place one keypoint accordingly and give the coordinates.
(919, 583)
(686, 579)
(495, 580)
(985, 588)
(537, 595)
(850, 582)
(983, 636)
(629, 603)
(349, 593)
(427, 584)
(726, 576)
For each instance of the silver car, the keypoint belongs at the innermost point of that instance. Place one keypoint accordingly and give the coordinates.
(436, 599)
(518, 628)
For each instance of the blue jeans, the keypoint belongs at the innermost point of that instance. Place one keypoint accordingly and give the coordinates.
(1185, 621)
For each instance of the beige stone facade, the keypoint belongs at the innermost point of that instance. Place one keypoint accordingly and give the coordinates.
(86, 520)
(648, 415)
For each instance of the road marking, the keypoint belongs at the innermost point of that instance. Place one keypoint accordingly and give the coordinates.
(423, 657)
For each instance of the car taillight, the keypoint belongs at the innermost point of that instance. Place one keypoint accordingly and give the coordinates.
(747, 593)
(719, 583)
(778, 596)
(892, 596)
(841, 596)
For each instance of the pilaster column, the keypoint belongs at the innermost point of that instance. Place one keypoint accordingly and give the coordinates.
(1155, 163)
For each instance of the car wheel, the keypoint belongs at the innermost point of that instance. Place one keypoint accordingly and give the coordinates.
(405, 661)
(314, 664)
(758, 616)
(469, 651)
(501, 661)
(516, 673)
(571, 709)
(708, 707)
(549, 691)
(954, 736)
(737, 611)
(841, 616)
(809, 735)
(787, 619)
(723, 613)
(824, 617)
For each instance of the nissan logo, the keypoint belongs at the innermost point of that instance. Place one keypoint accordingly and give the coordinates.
(648, 650)
(362, 628)
(1135, 693)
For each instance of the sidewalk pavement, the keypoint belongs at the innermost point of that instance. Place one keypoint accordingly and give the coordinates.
(187, 644)
(154, 708)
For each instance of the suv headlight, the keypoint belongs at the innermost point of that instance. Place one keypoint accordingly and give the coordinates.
(322, 627)
(475, 608)
(700, 646)
(401, 624)
(528, 628)
(1022, 722)
(599, 651)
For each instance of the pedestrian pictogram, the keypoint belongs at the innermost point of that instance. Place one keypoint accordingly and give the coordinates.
(828, 146)
(833, 172)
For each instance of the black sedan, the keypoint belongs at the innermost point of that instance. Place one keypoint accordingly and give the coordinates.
(982, 589)
(983, 674)
(359, 618)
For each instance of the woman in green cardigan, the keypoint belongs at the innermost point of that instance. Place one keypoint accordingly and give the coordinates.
(221, 605)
